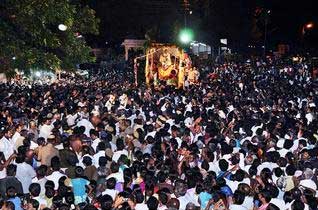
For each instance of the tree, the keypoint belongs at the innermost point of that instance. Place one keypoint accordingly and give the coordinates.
(30, 38)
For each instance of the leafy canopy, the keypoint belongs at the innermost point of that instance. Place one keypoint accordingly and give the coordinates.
(30, 38)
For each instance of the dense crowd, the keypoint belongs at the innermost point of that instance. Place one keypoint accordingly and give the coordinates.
(244, 138)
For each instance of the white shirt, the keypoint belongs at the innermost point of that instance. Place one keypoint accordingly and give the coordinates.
(248, 202)
(117, 154)
(41, 201)
(183, 202)
(269, 165)
(96, 158)
(141, 206)
(87, 124)
(112, 192)
(237, 207)
(6, 147)
(25, 174)
(118, 176)
(232, 184)
(55, 176)
(15, 137)
(95, 143)
(45, 131)
(41, 182)
(279, 203)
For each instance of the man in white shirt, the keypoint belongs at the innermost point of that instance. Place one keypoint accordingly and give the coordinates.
(87, 124)
(40, 178)
(238, 199)
(46, 128)
(6, 145)
(94, 136)
(56, 175)
(25, 173)
(120, 150)
(111, 184)
(100, 152)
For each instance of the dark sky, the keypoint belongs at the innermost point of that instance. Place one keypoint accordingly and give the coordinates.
(211, 20)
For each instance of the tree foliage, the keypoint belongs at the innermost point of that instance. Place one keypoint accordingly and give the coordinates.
(30, 38)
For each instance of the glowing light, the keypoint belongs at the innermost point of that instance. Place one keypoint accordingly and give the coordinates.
(186, 36)
(62, 27)
(309, 25)
(38, 74)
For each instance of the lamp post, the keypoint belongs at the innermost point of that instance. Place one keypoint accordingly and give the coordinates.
(265, 33)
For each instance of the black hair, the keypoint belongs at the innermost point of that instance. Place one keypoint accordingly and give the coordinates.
(223, 164)
(106, 202)
(55, 163)
(139, 196)
(11, 192)
(297, 205)
(111, 183)
(114, 167)
(290, 170)
(152, 203)
(41, 170)
(87, 161)
(35, 189)
(238, 197)
(11, 170)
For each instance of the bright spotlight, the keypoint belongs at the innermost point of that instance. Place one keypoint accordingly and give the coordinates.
(186, 36)
(62, 27)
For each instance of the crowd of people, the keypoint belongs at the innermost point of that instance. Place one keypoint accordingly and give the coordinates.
(243, 138)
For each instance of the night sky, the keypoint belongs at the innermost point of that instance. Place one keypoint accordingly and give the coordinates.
(210, 20)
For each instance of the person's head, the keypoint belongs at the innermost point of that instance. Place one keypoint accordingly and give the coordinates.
(308, 173)
(120, 144)
(55, 163)
(8, 205)
(139, 196)
(244, 188)
(79, 171)
(163, 198)
(101, 146)
(35, 204)
(180, 188)
(239, 175)
(223, 165)
(264, 196)
(11, 192)
(106, 202)
(290, 170)
(49, 192)
(11, 170)
(238, 197)
(111, 183)
(93, 133)
(173, 203)
(190, 206)
(87, 161)
(114, 167)
(35, 189)
(72, 160)
(297, 205)
(41, 171)
(102, 161)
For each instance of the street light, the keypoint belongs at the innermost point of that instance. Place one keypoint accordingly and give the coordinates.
(309, 25)
(62, 27)
(186, 36)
